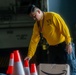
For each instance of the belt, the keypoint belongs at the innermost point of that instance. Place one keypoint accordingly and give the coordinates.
(59, 44)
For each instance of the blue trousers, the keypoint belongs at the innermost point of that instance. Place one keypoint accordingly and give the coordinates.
(71, 60)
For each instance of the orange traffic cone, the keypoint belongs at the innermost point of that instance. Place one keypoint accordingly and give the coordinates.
(26, 67)
(33, 69)
(18, 67)
(11, 64)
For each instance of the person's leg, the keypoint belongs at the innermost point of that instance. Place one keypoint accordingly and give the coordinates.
(57, 54)
(44, 56)
(41, 55)
(51, 55)
(61, 54)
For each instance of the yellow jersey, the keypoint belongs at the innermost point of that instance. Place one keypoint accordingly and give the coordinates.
(54, 30)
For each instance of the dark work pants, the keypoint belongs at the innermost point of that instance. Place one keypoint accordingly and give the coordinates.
(58, 54)
(41, 55)
(54, 54)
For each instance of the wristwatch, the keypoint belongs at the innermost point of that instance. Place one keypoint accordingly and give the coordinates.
(69, 44)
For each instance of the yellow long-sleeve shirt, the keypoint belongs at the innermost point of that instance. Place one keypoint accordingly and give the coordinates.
(54, 30)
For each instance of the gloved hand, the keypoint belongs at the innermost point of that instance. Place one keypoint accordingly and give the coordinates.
(27, 58)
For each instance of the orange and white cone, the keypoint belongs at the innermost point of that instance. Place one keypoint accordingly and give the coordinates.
(18, 67)
(11, 64)
(33, 69)
(26, 67)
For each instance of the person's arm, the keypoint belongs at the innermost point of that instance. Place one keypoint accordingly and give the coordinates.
(64, 30)
(33, 43)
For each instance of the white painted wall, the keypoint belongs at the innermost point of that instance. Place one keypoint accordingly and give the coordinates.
(5, 3)
(19, 38)
(21, 26)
